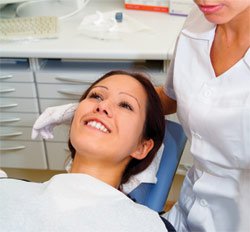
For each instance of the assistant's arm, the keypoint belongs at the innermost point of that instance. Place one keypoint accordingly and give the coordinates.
(168, 104)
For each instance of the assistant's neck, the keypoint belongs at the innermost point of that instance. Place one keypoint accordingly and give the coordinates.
(238, 29)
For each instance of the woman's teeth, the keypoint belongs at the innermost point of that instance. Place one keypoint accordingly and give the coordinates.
(98, 126)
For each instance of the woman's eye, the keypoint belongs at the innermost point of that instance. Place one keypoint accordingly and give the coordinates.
(95, 96)
(126, 106)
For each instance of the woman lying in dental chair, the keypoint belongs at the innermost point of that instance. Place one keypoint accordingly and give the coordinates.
(115, 133)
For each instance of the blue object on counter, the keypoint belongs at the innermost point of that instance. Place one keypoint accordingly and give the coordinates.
(118, 17)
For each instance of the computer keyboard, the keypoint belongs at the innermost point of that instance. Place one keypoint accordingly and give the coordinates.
(29, 28)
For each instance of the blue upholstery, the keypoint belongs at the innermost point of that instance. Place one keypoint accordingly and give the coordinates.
(155, 195)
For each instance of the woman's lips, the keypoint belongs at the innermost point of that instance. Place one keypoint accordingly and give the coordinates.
(210, 9)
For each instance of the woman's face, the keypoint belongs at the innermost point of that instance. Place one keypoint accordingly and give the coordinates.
(108, 123)
(222, 11)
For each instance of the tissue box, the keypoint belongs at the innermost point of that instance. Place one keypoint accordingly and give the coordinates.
(180, 7)
(151, 5)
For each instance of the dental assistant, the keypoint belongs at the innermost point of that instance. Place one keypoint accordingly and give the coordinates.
(208, 85)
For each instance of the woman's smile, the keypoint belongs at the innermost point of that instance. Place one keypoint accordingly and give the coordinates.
(97, 125)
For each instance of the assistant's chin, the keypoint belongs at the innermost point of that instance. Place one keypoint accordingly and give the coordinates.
(215, 19)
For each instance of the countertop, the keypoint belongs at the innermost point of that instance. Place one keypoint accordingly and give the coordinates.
(155, 44)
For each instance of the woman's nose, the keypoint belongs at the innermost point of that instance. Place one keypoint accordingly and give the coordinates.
(104, 107)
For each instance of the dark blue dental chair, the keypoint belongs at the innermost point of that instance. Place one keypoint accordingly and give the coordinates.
(154, 195)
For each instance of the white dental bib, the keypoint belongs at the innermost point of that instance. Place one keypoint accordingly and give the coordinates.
(71, 202)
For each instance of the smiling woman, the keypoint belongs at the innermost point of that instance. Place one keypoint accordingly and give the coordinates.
(126, 107)
(116, 131)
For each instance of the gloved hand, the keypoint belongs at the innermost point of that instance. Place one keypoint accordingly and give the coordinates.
(52, 117)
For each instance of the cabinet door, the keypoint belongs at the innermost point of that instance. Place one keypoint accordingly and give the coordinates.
(28, 105)
(58, 155)
(45, 103)
(22, 154)
(10, 75)
(63, 91)
(18, 90)
(67, 76)
(17, 119)
(16, 133)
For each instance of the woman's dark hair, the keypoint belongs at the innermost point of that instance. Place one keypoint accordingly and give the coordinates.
(154, 126)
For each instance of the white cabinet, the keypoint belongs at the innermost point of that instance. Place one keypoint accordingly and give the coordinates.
(19, 110)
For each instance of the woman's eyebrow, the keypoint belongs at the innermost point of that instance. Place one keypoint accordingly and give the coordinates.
(128, 94)
(132, 97)
(100, 86)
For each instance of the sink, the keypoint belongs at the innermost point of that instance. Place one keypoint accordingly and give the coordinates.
(59, 8)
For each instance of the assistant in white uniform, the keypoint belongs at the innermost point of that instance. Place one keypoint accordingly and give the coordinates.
(215, 114)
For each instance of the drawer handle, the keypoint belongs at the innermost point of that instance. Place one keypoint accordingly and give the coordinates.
(12, 148)
(8, 105)
(9, 120)
(68, 92)
(73, 80)
(11, 134)
(7, 90)
(3, 77)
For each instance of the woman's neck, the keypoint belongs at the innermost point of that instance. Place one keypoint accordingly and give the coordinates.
(105, 173)
(237, 30)
(232, 41)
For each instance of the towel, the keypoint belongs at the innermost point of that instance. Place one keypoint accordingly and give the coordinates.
(106, 26)
(72, 202)
(146, 176)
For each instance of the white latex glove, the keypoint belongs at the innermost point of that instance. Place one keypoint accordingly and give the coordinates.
(52, 117)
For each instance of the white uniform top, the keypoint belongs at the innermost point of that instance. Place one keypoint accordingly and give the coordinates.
(72, 203)
(215, 114)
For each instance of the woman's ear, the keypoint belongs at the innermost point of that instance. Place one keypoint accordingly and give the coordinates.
(143, 149)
